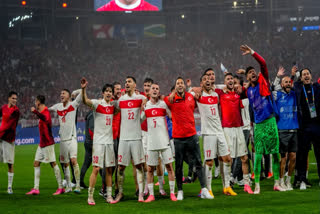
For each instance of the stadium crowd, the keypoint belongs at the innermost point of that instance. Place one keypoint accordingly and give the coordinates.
(47, 68)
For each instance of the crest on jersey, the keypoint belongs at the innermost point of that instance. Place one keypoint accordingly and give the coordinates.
(130, 104)
(210, 100)
(189, 98)
(154, 112)
(107, 110)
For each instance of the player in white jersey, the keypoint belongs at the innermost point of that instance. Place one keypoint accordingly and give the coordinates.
(103, 155)
(130, 145)
(66, 111)
(214, 141)
(158, 140)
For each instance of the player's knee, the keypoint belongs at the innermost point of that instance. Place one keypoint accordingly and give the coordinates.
(244, 159)
(292, 156)
(226, 159)
(283, 155)
(168, 167)
(209, 163)
(73, 161)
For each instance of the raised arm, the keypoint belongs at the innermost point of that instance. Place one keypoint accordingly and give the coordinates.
(41, 116)
(85, 99)
(263, 66)
(276, 83)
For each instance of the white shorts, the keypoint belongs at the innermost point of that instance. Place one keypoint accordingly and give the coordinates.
(172, 148)
(236, 141)
(45, 154)
(6, 152)
(214, 146)
(144, 141)
(130, 149)
(68, 150)
(103, 155)
(154, 155)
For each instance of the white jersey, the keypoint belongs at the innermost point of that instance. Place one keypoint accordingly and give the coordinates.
(130, 128)
(209, 113)
(67, 118)
(103, 116)
(245, 114)
(158, 137)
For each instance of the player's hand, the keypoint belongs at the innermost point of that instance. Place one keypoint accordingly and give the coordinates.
(245, 49)
(281, 71)
(246, 85)
(84, 83)
(241, 71)
(33, 109)
(188, 82)
(294, 70)
(171, 96)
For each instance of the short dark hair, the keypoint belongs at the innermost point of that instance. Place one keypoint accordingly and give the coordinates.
(131, 77)
(228, 74)
(66, 90)
(202, 77)
(248, 69)
(239, 78)
(179, 78)
(107, 86)
(208, 69)
(155, 83)
(305, 69)
(115, 83)
(148, 80)
(12, 93)
(41, 99)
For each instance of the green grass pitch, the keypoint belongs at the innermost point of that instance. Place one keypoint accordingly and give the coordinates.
(268, 201)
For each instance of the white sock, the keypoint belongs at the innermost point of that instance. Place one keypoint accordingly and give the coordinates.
(109, 191)
(281, 180)
(227, 173)
(10, 179)
(77, 174)
(67, 176)
(172, 186)
(246, 179)
(276, 182)
(146, 183)
(151, 191)
(120, 181)
(140, 180)
(36, 177)
(58, 176)
(90, 192)
(257, 185)
(208, 176)
(160, 179)
(222, 173)
(288, 179)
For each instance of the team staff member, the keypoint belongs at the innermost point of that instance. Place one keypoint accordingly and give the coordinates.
(308, 103)
(182, 105)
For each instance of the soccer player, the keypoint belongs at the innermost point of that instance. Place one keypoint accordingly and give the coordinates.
(144, 128)
(214, 141)
(66, 111)
(158, 140)
(45, 151)
(288, 125)
(232, 123)
(128, 5)
(102, 149)
(266, 139)
(130, 145)
(10, 115)
(182, 105)
(116, 131)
